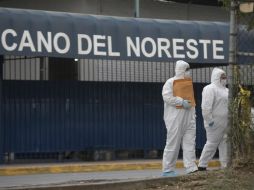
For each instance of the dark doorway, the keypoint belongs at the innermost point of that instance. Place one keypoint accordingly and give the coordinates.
(63, 69)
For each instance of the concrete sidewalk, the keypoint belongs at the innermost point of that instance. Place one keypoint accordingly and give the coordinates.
(71, 180)
(53, 168)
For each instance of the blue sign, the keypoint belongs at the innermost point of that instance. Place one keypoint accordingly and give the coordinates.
(55, 34)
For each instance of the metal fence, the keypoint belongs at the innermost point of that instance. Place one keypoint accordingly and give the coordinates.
(44, 68)
(245, 49)
(241, 87)
(53, 105)
(57, 107)
(87, 105)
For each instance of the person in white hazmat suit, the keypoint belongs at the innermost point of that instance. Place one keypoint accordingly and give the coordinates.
(180, 125)
(215, 113)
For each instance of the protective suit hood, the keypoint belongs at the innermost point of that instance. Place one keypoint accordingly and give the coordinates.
(180, 68)
(216, 74)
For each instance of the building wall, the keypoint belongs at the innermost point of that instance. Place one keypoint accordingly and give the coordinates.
(112, 70)
(125, 8)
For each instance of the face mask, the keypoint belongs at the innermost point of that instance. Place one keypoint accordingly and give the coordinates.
(223, 82)
(187, 74)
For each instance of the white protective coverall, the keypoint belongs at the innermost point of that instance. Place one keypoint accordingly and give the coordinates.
(215, 111)
(180, 124)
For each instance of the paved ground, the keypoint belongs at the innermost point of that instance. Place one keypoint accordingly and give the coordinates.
(75, 174)
(78, 178)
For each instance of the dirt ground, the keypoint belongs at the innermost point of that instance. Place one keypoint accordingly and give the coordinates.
(231, 179)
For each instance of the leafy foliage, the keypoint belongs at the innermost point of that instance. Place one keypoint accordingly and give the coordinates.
(244, 18)
(242, 134)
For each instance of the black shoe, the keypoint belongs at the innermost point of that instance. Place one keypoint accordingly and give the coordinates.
(201, 169)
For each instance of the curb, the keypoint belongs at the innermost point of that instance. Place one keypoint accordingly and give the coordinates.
(122, 185)
(91, 167)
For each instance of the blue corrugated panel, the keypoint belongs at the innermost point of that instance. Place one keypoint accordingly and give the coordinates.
(201, 134)
(51, 116)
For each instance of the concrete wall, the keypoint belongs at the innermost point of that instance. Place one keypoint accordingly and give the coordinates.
(125, 8)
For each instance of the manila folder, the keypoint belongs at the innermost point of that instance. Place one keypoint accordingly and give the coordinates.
(184, 88)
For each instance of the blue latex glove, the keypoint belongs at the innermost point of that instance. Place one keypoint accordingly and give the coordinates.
(211, 124)
(186, 104)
